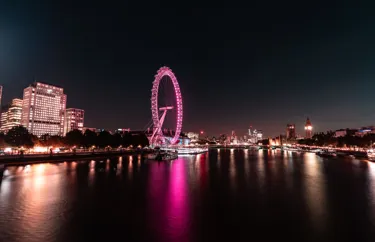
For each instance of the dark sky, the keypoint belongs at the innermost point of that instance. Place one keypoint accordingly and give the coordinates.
(259, 63)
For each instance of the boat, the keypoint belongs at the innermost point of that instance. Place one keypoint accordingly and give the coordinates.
(315, 150)
(326, 154)
(163, 156)
(192, 151)
(292, 149)
(186, 150)
(344, 155)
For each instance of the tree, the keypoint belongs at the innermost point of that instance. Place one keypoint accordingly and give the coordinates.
(126, 139)
(140, 139)
(116, 140)
(51, 140)
(19, 136)
(89, 138)
(74, 138)
(104, 139)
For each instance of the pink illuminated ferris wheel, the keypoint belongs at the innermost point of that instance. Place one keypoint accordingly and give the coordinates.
(159, 108)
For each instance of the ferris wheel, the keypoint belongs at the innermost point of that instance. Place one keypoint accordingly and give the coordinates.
(160, 108)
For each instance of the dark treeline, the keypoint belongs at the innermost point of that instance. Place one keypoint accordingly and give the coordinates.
(20, 137)
(349, 140)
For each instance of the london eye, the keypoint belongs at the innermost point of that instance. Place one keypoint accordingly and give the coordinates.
(166, 108)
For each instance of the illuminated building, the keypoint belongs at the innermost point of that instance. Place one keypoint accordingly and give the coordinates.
(43, 109)
(122, 131)
(255, 136)
(365, 130)
(11, 115)
(340, 133)
(233, 138)
(1, 94)
(193, 136)
(290, 131)
(74, 119)
(259, 135)
(308, 129)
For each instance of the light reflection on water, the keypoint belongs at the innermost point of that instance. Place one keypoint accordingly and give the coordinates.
(315, 190)
(204, 197)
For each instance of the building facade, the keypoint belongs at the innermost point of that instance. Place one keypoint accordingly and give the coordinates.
(254, 136)
(290, 131)
(11, 115)
(340, 133)
(1, 95)
(43, 109)
(193, 135)
(74, 119)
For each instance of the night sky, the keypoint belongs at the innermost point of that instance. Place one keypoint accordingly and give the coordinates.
(263, 64)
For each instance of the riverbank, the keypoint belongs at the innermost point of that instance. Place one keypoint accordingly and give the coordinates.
(42, 158)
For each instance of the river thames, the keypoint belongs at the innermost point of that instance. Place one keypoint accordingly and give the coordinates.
(224, 195)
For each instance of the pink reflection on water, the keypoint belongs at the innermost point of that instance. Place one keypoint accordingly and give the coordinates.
(168, 200)
(177, 212)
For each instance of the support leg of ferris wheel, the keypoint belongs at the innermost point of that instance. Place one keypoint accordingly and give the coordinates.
(158, 131)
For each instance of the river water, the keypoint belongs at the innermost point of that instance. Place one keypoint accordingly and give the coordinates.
(224, 195)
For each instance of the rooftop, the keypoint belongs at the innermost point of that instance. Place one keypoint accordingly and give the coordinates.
(45, 83)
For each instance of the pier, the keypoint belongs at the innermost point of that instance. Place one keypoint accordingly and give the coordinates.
(20, 159)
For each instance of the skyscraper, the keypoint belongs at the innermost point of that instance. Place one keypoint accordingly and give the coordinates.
(290, 131)
(43, 109)
(74, 119)
(308, 129)
(11, 115)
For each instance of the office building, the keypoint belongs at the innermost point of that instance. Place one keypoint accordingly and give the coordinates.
(74, 119)
(290, 131)
(43, 109)
(11, 115)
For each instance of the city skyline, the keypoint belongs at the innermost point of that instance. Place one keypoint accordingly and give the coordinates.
(246, 66)
(69, 112)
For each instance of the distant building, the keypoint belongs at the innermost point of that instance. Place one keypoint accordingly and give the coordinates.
(259, 134)
(181, 140)
(1, 95)
(11, 115)
(291, 132)
(193, 135)
(340, 133)
(365, 130)
(43, 109)
(254, 136)
(122, 131)
(308, 129)
(74, 119)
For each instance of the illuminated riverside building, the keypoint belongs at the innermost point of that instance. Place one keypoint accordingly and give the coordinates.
(74, 119)
(43, 109)
(192, 135)
(254, 136)
(11, 115)
(290, 131)
(308, 129)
